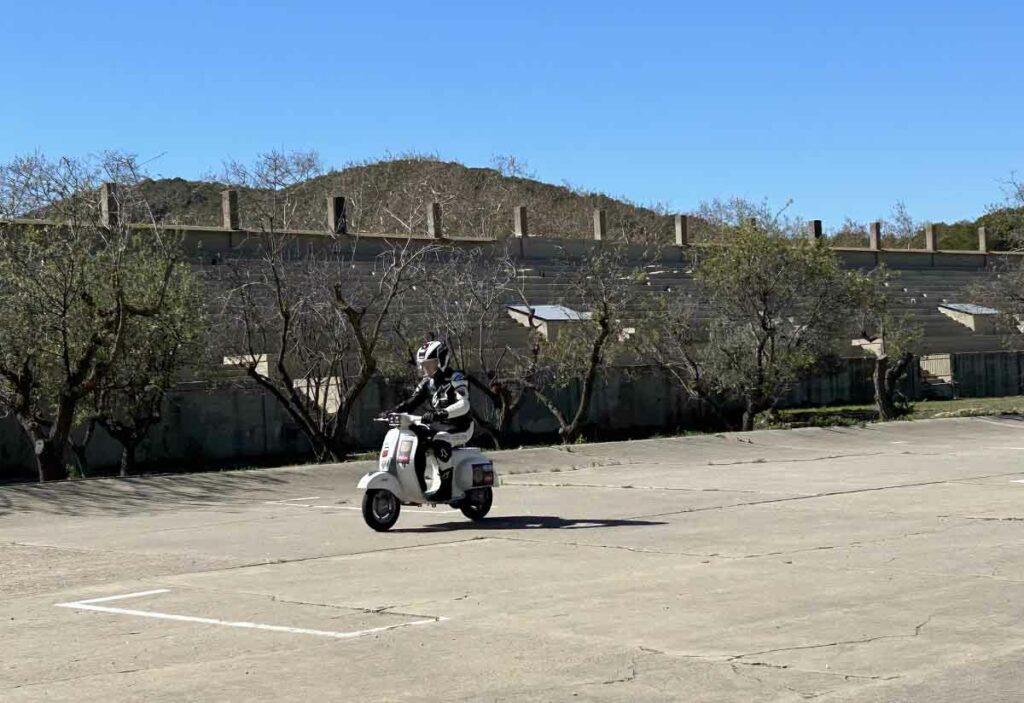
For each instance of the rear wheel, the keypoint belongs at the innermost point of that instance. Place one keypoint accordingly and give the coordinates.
(380, 509)
(477, 503)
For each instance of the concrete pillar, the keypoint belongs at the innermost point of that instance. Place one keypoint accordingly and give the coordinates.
(600, 225)
(229, 208)
(814, 231)
(982, 239)
(109, 210)
(434, 228)
(682, 230)
(520, 225)
(930, 237)
(337, 220)
(875, 236)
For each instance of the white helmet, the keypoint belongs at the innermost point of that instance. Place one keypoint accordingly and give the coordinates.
(432, 357)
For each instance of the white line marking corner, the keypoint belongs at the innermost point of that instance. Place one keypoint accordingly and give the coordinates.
(90, 604)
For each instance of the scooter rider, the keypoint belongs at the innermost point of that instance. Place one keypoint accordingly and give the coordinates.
(449, 423)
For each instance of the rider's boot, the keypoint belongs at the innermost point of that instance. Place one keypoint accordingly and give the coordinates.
(444, 492)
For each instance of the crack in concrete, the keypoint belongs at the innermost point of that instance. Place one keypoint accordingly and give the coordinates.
(733, 662)
(806, 459)
(49, 682)
(813, 496)
(632, 487)
(636, 550)
(866, 640)
(803, 694)
(379, 610)
(342, 555)
(837, 674)
(720, 555)
(855, 543)
(630, 675)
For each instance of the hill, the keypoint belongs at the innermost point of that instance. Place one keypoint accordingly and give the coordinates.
(391, 196)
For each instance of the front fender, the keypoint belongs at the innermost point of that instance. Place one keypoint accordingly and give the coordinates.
(380, 480)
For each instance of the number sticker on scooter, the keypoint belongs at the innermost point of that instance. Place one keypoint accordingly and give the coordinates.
(404, 451)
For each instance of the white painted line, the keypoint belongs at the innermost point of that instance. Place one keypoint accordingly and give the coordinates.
(349, 507)
(89, 605)
(289, 500)
(429, 511)
(107, 599)
(1007, 425)
(1017, 480)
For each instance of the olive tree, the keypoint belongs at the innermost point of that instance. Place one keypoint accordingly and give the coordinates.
(601, 287)
(1003, 287)
(466, 298)
(129, 403)
(310, 318)
(889, 334)
(673, 340)
(314, 330)
(776, 306)
(75, 288)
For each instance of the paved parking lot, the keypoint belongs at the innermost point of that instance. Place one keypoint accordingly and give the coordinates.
(877, 564)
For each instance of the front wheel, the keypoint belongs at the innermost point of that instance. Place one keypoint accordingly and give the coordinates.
(380, 509)
(477, 503)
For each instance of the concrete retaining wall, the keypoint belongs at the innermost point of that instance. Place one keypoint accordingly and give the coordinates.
(208, 425)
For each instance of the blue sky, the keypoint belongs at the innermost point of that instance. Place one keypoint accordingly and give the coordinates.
(843, 107)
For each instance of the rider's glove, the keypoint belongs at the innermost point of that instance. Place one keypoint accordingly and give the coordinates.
(434, 416)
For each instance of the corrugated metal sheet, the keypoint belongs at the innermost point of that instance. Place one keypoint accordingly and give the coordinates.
(970, 308)
(551, 313)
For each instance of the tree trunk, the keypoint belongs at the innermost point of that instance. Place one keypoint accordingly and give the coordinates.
(750, 413)
(748, 420)
(51, 445)
(80, 449)
(887, 377)
(505, 405)
(50, 460)
(555, 412)
(884, 389)
(129, 463)
(573, 429)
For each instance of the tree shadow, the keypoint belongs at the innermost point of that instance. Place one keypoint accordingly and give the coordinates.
(134, 496)
(527, 522)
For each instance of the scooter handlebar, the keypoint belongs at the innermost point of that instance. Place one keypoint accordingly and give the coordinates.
(394, 419)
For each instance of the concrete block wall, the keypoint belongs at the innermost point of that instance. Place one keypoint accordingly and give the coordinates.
(235, 425)
(985, 375)
(205, 244)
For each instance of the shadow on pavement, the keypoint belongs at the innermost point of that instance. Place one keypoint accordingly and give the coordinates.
(528, 522)
(134, 496)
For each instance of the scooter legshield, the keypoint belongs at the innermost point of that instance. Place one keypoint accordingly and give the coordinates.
(380, 480)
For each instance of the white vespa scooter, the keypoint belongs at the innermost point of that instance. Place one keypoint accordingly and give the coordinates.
(395, 484)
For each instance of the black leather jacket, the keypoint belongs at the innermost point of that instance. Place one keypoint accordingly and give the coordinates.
(448, 393)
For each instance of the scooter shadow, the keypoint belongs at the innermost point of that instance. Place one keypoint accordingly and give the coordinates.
(527, 522)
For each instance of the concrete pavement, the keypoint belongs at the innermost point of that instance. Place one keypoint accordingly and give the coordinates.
(882, 563)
